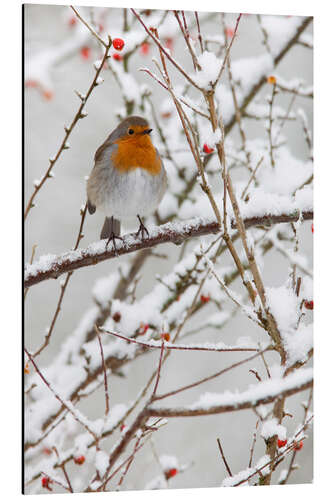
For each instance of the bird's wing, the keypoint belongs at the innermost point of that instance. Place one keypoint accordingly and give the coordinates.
(91, 207)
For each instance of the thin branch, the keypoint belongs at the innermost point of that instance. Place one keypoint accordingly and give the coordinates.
(56, 395)
(227, 52)
(106, 390)
(92, 31)
(63, 146)
(253, 444)
(223, 457)
(63, 288)
(252, 176)
(158, 374)
(165, 52)
(184, 411)
(206, 379)
(176, 347)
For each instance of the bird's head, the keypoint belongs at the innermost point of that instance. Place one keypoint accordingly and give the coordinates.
(134, 130)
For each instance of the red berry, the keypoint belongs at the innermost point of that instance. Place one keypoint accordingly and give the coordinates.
(46, 481)
(118, 43)
(165, 336)
(171, 473)
(123, 427)
(72, 21)
(144, 49)
(117, 57)
(31, 83)
(47, 451)
(205, 298)
(312, 227)
(308, 304)
(207, 149)
(298, 446)
(85, 52)
(230, 32)
(79, 460)
(281, 443)
(48, 94)
(116, 317)
(169, 43)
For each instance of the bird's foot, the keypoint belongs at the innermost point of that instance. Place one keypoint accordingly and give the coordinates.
(142, 229)
(113, 237)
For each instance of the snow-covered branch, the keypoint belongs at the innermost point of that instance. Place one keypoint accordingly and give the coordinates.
(263, 393)
(53, 266)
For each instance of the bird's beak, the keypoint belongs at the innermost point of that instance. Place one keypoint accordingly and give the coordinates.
(147, 131)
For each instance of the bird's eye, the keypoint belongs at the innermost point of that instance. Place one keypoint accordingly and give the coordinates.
(130, 131)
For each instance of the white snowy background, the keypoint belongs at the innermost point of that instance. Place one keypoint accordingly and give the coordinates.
(53, 225)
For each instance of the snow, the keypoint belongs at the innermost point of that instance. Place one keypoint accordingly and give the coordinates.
(265, 459)
(168, 462)
(262, 390)
(271, 428)
(241, 476)
(283, 303)
(210, 67)
(101, 462)
(280, 29)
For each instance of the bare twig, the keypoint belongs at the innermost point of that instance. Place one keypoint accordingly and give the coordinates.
(223, 457)
(63, 288)
(92, 31)
(106, 390)
(68, 130)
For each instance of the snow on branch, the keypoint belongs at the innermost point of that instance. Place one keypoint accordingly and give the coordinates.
(263, 393)
(53, 266)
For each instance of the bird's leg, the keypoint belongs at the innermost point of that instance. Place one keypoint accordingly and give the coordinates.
(113, 237)
(142, 229)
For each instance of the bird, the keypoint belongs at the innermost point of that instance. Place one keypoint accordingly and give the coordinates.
(128, 178)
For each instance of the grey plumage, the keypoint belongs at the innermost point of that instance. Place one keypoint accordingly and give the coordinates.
(111, 225)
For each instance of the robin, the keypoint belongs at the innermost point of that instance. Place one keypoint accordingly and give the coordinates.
(128, 178)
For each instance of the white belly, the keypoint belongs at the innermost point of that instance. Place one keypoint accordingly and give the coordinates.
(129, 194)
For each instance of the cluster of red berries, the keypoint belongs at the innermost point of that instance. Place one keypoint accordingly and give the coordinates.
(204, 299)
(297, 445)
(118, 44)
(308, 304)
(165, 336)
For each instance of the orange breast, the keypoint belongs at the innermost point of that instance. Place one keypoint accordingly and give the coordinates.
(136, 153)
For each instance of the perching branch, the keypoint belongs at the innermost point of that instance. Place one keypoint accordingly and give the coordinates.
(53, 266)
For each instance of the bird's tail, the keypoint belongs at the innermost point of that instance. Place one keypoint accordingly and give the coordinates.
(111, 225)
